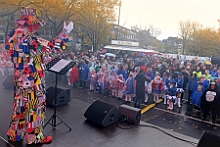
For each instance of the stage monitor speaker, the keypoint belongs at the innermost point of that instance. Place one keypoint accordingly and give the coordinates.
(8, 82)
(63, 96)
(102, 113)
(209, 140)
(129, 113)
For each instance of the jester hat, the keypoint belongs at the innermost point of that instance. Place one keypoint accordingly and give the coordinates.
(30, 19)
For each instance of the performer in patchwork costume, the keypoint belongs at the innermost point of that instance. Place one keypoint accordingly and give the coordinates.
(27, 52)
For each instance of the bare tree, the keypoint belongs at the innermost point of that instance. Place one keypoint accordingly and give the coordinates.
(154, 31)
(185, 28)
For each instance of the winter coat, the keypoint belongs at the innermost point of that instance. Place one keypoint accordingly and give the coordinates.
(186, 79)
(211, 97)
(214, 73)
(191, 84)
(123, 73)
(196, 98)
(74, 75)
(166, 81)
(130, 86)
(179, 82)
(204, 86)
(157, 85)
(172, 91)
(140, 84)
(198, 73)
(84, 72)
(151, 75)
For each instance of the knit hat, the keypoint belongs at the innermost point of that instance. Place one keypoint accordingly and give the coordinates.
(180, 73)
(30, 19)
(173, 81)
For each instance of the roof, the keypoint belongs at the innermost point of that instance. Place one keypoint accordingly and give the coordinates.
(130, 48)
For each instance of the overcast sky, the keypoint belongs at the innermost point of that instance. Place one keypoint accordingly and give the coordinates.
(165, 14)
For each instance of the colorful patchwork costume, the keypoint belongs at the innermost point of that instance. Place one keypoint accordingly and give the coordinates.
(27, 52)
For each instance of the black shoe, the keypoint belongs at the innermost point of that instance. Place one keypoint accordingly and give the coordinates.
(16, 143)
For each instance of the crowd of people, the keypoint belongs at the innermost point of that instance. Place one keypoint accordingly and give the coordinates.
(6, 66)
(134, 77)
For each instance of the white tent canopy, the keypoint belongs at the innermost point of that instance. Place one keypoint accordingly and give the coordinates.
(128, 48)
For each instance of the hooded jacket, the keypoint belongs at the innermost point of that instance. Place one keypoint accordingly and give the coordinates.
(211, 96)
(140, 84)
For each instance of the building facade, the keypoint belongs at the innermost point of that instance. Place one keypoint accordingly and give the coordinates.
(122, 33)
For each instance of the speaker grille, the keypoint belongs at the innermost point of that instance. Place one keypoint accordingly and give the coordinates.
(102, 113)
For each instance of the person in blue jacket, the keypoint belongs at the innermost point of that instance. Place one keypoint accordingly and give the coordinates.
(84, 75)
(202, 82)
(166, 85)
(179, 83)
(150, 73)
(196, 97)
(191, 85)
(214, 72)
(122, 72)
(171, 96)
(206, 82)
(165, 79)
(170, 78)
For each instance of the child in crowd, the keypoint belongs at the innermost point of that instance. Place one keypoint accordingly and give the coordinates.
(129, 88)
(106, 83)
(196, 97)
(68, 74)
(157, 86)
(114, 84)
(74, 75)
(3, 66)
(10, 66)
(190, 86)
(100, 75)
(93, 80)
(171, 95)
(148, 91)
(121, 84)
(179, 82)
(165, 80)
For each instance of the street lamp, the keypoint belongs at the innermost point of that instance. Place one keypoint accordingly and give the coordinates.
(119, 14)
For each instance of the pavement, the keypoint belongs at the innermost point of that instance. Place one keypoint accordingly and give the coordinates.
(157, 125)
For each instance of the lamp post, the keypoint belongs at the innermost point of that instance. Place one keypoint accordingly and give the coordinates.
(119, 15)
(119, 12)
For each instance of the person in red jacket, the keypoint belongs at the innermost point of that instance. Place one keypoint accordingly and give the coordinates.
(74, 77)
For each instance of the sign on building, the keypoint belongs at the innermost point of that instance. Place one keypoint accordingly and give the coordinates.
(126, 43)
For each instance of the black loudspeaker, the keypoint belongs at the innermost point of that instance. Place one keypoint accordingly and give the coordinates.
(63, 96)
(8, 82)
(102, 113)
(209, 140)
(129, 113)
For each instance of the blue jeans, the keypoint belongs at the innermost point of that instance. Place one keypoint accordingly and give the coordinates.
(137, 102)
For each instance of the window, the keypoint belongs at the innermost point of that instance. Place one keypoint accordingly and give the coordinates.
(1, 39)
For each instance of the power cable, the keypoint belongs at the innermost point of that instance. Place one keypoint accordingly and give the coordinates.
(6, 141)
(165, 132)
(125, 119)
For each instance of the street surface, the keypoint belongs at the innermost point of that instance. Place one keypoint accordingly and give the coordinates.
(183, 120)
(83, 134)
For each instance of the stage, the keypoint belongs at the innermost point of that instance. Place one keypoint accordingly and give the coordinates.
(85, 134)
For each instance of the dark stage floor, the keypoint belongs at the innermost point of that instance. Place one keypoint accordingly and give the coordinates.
(85, 134)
